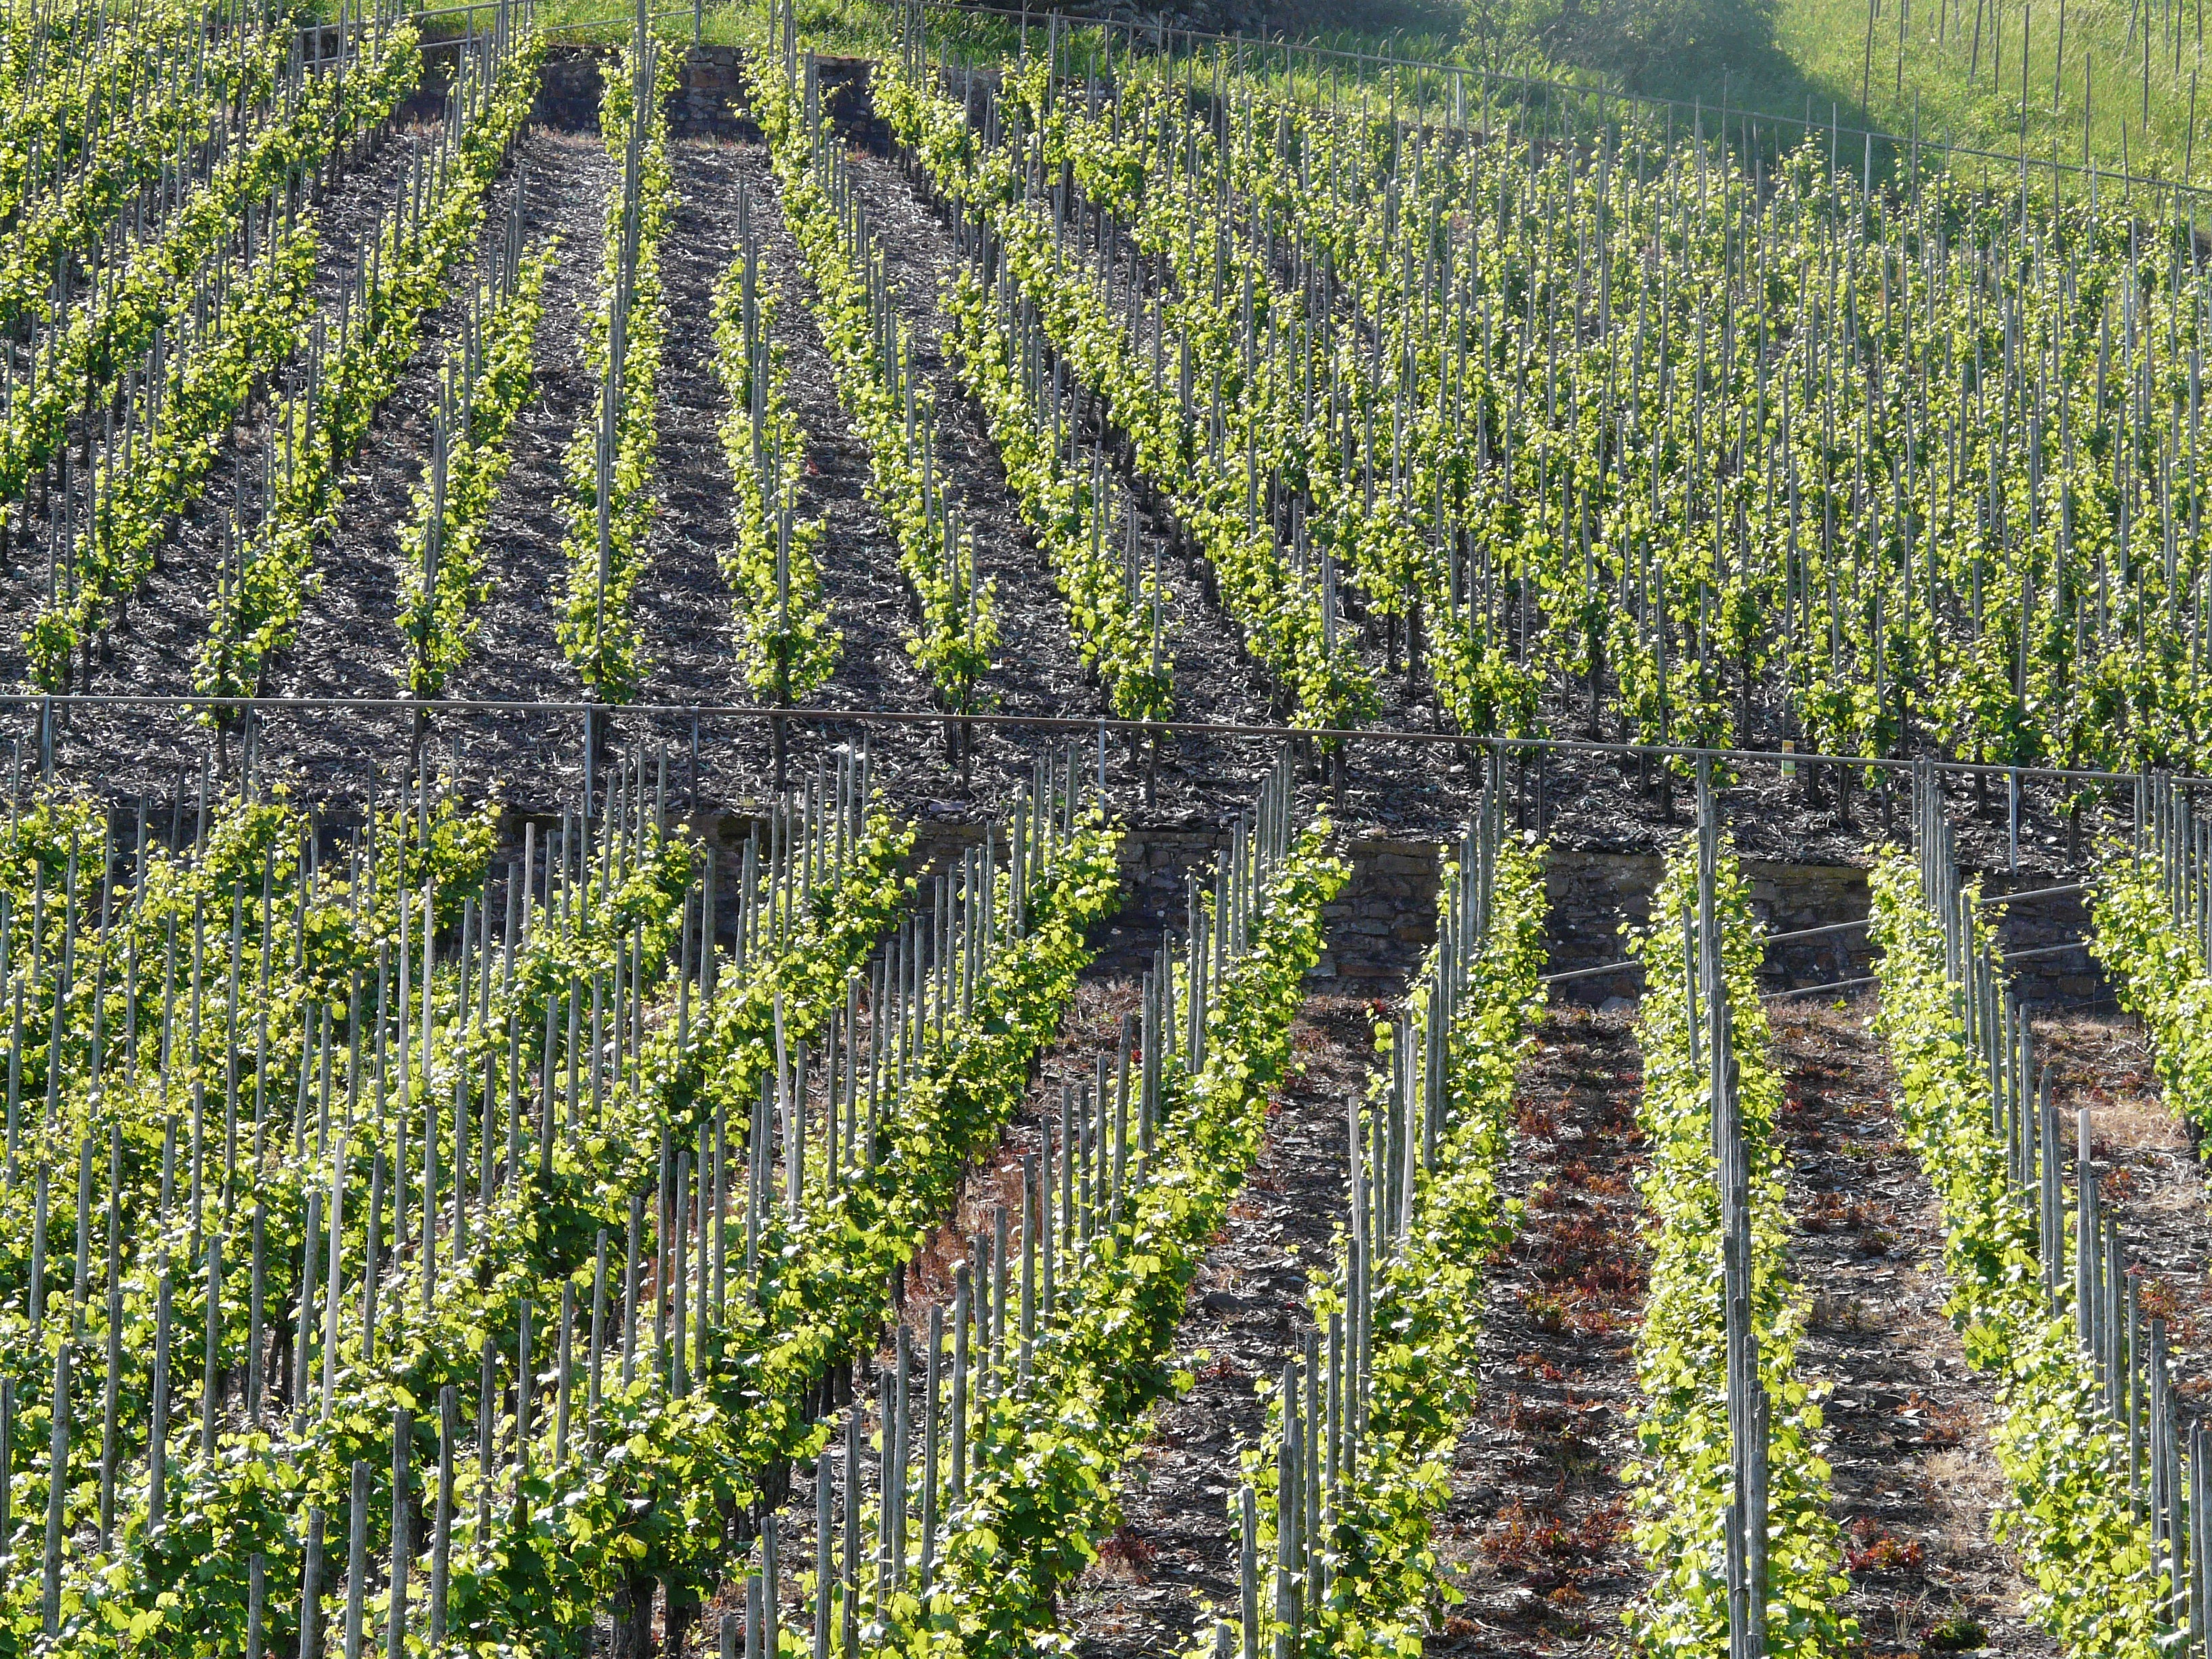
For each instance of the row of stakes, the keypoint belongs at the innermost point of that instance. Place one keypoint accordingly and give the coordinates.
(2167, 1462)
(926, 968)
(867, 1552)
(924, 1442)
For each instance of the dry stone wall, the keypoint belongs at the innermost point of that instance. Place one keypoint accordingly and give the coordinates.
(1385, 918)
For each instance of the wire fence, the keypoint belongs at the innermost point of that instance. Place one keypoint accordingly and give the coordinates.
(47, 706)
(710, 760)
(1575, 792)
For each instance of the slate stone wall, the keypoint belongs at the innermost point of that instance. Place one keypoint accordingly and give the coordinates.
(1384, 919)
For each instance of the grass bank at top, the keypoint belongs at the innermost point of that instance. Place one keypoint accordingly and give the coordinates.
(2136, 85)
(1951, 70)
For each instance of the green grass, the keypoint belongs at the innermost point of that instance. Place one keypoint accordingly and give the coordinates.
(2133, 68)
(1952, 72)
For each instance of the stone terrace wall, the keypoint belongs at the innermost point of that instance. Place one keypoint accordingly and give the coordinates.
(1593, 894)
(1385, 918)
(1377, 927)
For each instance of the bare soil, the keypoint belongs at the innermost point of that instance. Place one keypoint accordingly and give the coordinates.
(1534, 1535)
(1175, 1554)
(347, 647)
(2149, 1176)
(1906, 1423)
(158, 634)
(1089, 1034)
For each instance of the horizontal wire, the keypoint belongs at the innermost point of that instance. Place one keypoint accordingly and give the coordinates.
(1626, 962)
(1101, 726)
(1875, 979)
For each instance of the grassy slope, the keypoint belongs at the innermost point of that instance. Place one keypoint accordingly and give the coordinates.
(1885, 63)
(1905, 53)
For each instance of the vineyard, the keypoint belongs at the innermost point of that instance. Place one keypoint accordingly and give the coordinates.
(876, 829)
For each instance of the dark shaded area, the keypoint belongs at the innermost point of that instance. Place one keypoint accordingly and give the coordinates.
(1650, 46)
(1718, 63)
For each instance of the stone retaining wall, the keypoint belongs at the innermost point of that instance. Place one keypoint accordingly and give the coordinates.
(1376, 926)
(1385, 917)
(1593, 894)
